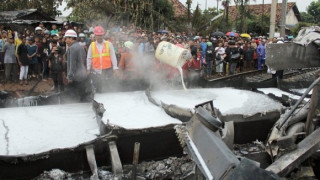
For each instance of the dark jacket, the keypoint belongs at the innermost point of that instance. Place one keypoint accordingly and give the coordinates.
(233, 54)
(248, 54)
(76, 55)
(210, 53)
(56, 63)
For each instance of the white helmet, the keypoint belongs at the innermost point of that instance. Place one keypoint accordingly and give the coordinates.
(81, 35)
(70, 33)
(128, 44)
(38, 28)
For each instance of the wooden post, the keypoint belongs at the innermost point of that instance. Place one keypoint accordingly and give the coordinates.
(115, 159)
(92, 162)
(135, 160)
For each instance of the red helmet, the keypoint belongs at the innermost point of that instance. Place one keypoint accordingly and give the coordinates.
(98, 30)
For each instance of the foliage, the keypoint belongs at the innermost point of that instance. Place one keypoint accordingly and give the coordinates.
(189, 2)
(314, 10)
(255, 24)
(305, 17)
(295, 30)
(149, 14)
(241, 23)
(49, 7)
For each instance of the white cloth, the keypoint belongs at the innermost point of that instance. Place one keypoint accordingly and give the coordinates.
(221, 50)
(24, 72)
(100, 46)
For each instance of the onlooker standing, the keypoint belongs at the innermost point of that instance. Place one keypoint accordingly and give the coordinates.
(55, 64)
(261, 52)
(22, 56)
(248, 53)
(209, 58)
(220, 55)
(234, 55)
(2, 42)
(43, 57)
(32, 55)
(10, 62)
(54, 29)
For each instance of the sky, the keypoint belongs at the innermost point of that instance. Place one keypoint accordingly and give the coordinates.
(302, 4)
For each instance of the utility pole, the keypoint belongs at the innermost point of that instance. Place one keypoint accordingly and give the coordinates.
(273, 18)
(217, 7)
(262, 14)
(283, 19)
(205, 6)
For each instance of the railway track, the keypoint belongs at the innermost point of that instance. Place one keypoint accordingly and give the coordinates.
(260, 78)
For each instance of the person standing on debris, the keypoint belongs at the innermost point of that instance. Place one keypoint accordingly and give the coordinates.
(22, 56)
(261, 52)
(10, 62)
(101, 59)
(76, 72)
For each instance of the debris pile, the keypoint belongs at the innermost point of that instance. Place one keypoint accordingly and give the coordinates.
(171, 168)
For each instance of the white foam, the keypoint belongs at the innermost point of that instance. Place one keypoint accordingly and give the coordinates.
(39, 129)
(132, 110)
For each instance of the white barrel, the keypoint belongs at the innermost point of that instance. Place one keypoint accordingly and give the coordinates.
(171, 54)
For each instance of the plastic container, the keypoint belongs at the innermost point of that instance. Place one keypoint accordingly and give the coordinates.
(171, 54)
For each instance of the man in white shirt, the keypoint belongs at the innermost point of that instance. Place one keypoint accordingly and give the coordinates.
(101, 59)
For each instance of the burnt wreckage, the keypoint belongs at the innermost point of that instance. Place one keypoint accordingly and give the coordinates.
(220, 145)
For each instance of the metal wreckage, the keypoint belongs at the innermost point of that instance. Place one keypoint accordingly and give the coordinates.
(212, 145)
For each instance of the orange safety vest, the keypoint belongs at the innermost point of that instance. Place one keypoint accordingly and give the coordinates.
(103, 61)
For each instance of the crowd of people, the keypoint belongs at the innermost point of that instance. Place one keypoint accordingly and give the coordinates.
(69, 54)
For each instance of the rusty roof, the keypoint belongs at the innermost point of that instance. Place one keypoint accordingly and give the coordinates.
(179, 8)
(257, 10)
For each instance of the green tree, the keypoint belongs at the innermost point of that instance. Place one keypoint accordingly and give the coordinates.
(189, 2)
(243, 13)
(149, 14)
(197, 20)
(305, 17)
(49, 7)
(314, 10)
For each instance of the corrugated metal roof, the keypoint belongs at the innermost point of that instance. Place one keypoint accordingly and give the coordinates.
(15, 14)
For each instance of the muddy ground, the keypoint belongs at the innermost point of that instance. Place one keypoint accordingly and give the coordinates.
(17, 90)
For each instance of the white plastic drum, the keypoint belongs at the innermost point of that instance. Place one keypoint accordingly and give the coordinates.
(171, 54)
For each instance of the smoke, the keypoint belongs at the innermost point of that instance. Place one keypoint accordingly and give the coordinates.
(150, 72)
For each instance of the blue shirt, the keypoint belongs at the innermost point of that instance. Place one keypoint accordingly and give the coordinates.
(203, 48)
(261, 50)
(31, 50)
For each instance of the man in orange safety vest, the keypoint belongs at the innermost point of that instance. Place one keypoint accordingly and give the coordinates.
(101, 59)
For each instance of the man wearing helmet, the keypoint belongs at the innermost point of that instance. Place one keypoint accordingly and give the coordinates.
(38, 32)
(101, 59)
(126, 64)
(76, 72)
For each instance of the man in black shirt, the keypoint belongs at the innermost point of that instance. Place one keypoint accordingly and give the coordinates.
(23, 61)
(233, 56)
(248, 53)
